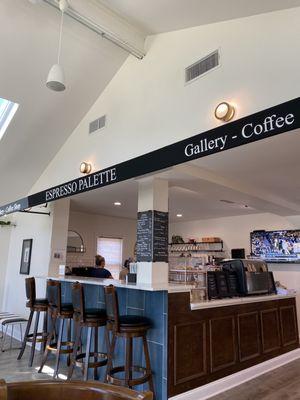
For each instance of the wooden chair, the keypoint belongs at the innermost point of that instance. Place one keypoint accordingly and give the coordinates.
(54, 390)
(61, 312)
(36, 306)
(92, 319)
(129, 327)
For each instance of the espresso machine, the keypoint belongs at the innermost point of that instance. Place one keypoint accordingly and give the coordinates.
(253, 277)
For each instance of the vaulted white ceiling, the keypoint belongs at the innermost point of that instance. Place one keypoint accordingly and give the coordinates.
(45, 119)
(158, 16)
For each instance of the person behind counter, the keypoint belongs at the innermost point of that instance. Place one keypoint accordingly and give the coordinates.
(101, 271)
(125, 270)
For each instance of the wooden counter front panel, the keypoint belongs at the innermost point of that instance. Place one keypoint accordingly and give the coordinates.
(205, 345)
(196, 367)
(248, 335)
(270, 330)
(222, 343)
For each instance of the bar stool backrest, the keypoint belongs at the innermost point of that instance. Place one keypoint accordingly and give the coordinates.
(30, 291)
(78, 301)
(112, 306)
(54, 294)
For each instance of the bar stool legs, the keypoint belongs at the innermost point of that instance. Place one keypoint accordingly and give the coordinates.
(83, 359)
(96, 352)
(51, 336)
(34, 337)
(26, 335)
(45, 328)
(128, 362)
(148, 364)
(57, 347)
(128, 369)
(76, 346)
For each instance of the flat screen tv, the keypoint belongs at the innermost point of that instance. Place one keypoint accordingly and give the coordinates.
(276, 246)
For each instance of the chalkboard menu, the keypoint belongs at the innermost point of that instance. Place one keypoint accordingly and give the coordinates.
(152, 236)
(144, 245)
(160, 236)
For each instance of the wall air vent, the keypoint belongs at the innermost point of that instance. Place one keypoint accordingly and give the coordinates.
(202, 66)
(99, 123)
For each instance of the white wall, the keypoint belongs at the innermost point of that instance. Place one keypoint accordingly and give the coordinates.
(92, 226)
(148, 105)
(5, 233)
(234, 231)
(38, 228)
(59, 235)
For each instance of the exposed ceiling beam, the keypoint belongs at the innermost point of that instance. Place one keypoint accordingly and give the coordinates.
(107, 24)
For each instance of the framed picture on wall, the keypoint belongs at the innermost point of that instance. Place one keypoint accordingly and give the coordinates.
(26, 257)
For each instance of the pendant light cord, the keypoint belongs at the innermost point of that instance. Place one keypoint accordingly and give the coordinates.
(60, 36)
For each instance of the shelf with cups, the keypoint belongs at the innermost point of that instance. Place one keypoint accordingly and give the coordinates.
(188, 262)
(205, 247)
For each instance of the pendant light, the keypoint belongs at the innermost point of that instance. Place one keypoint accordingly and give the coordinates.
(56, 76)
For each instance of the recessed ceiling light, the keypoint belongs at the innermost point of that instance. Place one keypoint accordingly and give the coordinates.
(178, 215)
(117, 203)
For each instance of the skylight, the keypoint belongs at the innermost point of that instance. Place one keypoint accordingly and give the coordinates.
(7, 111)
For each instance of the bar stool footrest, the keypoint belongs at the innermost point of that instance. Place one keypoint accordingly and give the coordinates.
(53, 347)
(79, 362)
(40, 337)
(132, 382)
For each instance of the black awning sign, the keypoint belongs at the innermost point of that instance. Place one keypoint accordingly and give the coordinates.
(264, 124)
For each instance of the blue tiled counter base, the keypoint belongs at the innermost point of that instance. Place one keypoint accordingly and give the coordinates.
(151, 304)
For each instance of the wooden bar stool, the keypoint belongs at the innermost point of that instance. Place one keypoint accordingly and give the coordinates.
(129, 327)
(36, 306)
(92, 319)
(61, 312)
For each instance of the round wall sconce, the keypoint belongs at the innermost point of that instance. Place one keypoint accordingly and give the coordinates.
(224, 111)
(85, 168)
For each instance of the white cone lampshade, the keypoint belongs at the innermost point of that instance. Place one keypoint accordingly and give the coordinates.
(56, 78)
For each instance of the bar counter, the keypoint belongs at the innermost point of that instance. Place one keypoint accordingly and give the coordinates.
(170, 288)
(194, 344)
(239, 300)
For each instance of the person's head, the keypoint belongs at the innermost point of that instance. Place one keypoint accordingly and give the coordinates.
(100, 261)
(127, 262)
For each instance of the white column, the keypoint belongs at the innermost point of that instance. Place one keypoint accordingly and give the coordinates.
(153, 196)
(59, 237)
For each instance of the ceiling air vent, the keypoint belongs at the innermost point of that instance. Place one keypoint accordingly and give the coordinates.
(227, 201)
(99, 123)
(202, 66)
